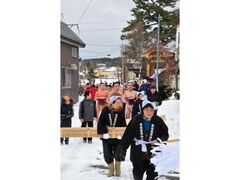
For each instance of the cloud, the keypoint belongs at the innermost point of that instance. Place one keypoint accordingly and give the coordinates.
(115, 11)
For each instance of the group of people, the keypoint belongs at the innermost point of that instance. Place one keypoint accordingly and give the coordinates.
(111, 108)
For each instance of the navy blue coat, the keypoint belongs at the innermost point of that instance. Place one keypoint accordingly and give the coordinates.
(133, 131)
(66, 115)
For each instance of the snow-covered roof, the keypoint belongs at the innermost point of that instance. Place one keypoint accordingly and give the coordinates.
(111, 69)
(101, 68)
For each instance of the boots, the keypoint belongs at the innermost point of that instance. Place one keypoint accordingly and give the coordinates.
(118, 168)
(111, 169)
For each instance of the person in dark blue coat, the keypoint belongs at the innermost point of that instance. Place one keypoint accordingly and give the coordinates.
(66, 115)
(141, 133)
(144, 86)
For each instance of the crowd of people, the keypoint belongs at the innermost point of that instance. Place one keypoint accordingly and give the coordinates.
(121, 105)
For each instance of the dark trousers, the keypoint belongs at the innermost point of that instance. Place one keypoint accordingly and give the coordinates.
(87, 124)
(111, 150)
(66, 139)
(139, 169)
(65, 123)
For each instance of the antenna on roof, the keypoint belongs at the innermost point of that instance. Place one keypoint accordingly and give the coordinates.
(62, 17)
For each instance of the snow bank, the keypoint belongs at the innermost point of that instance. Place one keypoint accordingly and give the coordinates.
(171, 109)
(166, 158)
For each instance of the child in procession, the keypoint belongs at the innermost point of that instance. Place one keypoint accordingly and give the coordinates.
(87, 113)
(66, 116)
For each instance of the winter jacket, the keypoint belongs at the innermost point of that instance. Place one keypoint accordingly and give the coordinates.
(155, 97)
(104, 120)
(136, 86)
(87, 110)
(137, 107)
(143, 87)
(66, 115)
(132, 131)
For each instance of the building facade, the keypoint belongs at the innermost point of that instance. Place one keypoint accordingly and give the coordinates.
(70, 44)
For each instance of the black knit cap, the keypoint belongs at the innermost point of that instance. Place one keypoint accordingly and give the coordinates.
(148, 105)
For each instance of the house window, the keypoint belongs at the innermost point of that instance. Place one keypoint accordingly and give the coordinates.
(74, 52)
(66, 77)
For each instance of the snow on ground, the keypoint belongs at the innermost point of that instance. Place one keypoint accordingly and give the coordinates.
(170, 108)
(86, 162)
(167, 160)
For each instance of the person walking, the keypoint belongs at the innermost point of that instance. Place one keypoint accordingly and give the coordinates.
(101, 98)
(87, 113)
(129, 96)
(141, 133)
(144, 86)
(154, 96)
(112, 116)
(115, 91)
(137, 106)
(66, 116)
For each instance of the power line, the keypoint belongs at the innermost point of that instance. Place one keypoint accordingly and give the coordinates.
(87, 30)
(112, 50)
(112, 22)
(89, 44)
(84, 11)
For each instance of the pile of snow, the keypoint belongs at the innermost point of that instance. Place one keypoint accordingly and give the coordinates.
(170, 108)
(166, 158)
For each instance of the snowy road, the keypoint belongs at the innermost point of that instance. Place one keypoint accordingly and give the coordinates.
(86, 162)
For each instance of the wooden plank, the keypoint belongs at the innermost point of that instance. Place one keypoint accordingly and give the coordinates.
(173, 140)
(114, 132)
(164, 117)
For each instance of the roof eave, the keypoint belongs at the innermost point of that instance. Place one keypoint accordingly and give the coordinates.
(69, 41)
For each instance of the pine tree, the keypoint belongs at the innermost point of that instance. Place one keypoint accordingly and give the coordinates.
(91, 75)
(147, 11)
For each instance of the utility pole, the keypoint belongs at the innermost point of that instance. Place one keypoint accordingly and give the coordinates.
(123, 53)
(158, 56)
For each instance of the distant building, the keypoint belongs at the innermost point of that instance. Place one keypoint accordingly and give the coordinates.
(166, 64)
(70, 44)
(108, 73)
(134, 69)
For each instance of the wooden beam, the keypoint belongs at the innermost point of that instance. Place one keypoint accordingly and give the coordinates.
(164, 117)
(114, 132)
